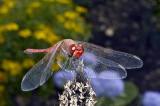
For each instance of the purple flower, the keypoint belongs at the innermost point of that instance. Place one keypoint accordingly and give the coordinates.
(151, 98)
(113, 88)
(90, 73)
(108, 87)
(109, 74)
(59, 79)
(89, 58)
(97, 86)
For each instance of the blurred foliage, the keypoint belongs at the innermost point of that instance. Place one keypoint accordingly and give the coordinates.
(155, 4)
(34, 24)
(156, 11)
(129, 94)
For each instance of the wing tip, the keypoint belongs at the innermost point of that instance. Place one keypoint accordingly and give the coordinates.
(23, 88)
(139, 62)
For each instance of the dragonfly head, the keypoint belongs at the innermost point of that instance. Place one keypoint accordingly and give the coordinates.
(76, 50)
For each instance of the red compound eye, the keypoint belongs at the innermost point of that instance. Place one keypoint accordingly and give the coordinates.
(80, 47)
(76, 50)
(79, 51)
(72, 49)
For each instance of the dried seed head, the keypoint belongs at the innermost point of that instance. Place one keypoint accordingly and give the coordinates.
(78, 92)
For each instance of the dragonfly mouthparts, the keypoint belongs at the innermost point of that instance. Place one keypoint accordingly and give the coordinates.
(69, 55)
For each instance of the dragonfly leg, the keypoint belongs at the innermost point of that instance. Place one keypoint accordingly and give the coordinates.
(63, 68)
(64, 75)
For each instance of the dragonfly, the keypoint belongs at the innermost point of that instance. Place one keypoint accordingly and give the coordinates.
(105, 63)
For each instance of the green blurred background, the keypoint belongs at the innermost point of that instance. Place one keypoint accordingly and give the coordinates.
(128, 26)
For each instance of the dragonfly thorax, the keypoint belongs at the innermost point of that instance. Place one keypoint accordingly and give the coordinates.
(76, 50)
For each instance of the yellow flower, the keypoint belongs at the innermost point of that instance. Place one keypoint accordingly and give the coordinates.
(10, 4)
(49, 0)
(3, 77)
(40, 34)
(2, 88)
(71, 15)
(2, 28)
(27, 63)
(81, 9)
(46, 33)
(4, 64)
(55, 66)
(1, 38)
(79, 28)
(25, 33)
(29, 11)
(35, 4)
(52, 38)
(42, 26)
(63, 1)
(69, 24)
(60, 18)
(13, 67)
(12, 26)
(3, 10)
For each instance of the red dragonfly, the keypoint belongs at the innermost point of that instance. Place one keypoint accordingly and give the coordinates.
(102, 61)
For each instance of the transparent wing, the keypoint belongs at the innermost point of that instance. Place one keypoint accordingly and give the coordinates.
(32, 79)
(94, 66)
(48, 68)
(97, 67)
(128, 61)
(40, 73)
(65, 63)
